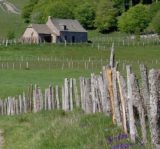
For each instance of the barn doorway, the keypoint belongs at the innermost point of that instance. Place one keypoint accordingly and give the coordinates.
(46, 38)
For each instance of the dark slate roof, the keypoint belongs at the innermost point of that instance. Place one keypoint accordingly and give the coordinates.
(41, 28)
(68, 25)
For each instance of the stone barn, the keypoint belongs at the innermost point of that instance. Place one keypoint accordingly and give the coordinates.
(55, 31)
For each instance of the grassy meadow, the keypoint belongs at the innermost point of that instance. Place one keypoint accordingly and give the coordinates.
(49, 64)
(60, 130)
(46, 62)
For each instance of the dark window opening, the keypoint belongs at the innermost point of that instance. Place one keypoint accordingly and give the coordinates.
(73, 39)
(65, 27)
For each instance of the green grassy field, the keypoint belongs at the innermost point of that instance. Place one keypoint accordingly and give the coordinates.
(13, 82)
(57, 129)
(60, 130)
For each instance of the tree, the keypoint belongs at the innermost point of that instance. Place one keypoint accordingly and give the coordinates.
(135, 19)
(156, 22)
(85, 13)
(106, 14)
(57, 9)
(27, 10)
(11, 35)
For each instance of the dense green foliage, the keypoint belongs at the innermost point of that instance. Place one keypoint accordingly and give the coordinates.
(100, 14)
(106, 16)
(85, 13)
(156, 22)
(135, 19)
(153, 11)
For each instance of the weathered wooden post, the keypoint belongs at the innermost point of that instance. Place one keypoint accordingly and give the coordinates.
(132, 128)
(87, 98)
(110, 88)
(112, 57)
(66, 94)
(57, 97)
(107, 100)
(145, 87)
(24, 103)
(94, 100)
(46, 99)
(20, 104)
(16, 106)
(137, 102)
(154, 83)
(63, 102)
(116, 97)
(37, 99)
(122, 91)
(82, 93)
(75, 92)
(50, 92)
(71, 94)
(103, 95)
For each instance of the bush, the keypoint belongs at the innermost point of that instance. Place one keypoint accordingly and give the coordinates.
(136, 18)
(156, 22)
(10, 35)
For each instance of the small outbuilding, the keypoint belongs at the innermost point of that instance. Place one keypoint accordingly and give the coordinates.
(55, 31)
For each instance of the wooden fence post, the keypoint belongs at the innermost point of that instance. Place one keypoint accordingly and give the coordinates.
(103, 94)
(71, 94)
(116, 97)
(107, 100)
(110, 88)
(82, 93)
(88, 105)
(137, 102)
(66, 94)
(57, 97)
(94, 100)
(76, 95)
(112, 57)
(132, 128)
(145, 87)
(63, 98)
(122, 91)
(154, 82)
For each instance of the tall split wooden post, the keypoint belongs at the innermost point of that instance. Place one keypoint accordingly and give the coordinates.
(137, 102)
(154, 82)
(123, 101)
(145, 87)
(110, 83)
(132, 129)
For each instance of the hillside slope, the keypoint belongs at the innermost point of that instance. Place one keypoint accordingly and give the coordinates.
(12, 22)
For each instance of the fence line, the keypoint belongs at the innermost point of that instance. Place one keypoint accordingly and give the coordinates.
(108, 93)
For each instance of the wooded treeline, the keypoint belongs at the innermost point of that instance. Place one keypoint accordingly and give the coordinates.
(103, 15)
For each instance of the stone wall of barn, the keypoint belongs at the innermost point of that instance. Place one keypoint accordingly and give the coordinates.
(30, 36)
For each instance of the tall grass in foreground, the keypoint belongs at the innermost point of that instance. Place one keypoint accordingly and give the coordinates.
(61, 130)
